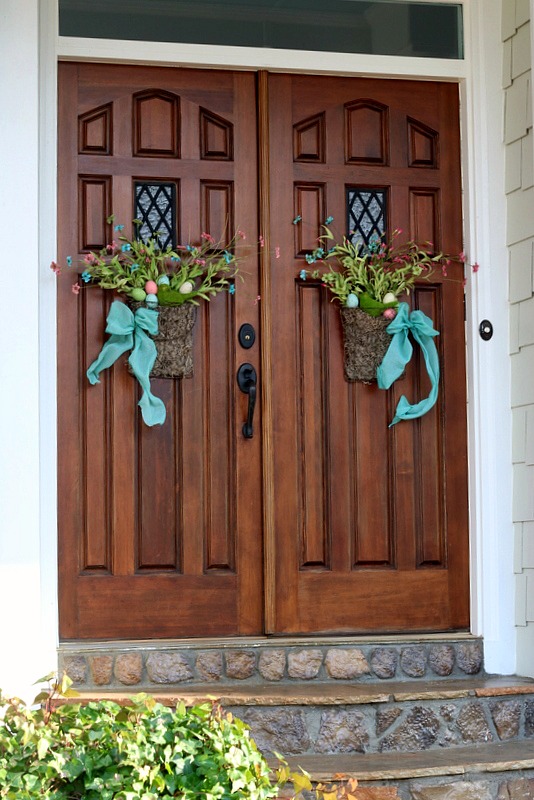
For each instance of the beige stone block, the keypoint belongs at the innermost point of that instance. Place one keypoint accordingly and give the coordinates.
(520, 220)
(168, 668)
(272, 664)
(529, 437)
(240, 664)
(512, 154)
(346, 664)
(508, 19)
(76, 669)
(526, 322)
(517, 789)
(461, 790)
(521, 599)
(521, 51)
(522, 12)
(507, 63)
(523, 493)
(129, 668)
(519, 433)
(516, 108)
(101, 669)
(209, 665)
(523, 377)
(304, 664)
(527, 161)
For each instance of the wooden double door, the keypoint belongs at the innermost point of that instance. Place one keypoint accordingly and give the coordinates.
(325, 521)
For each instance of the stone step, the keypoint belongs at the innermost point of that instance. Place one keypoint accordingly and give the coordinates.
(244, 661)
(497, 771)
(312, 719)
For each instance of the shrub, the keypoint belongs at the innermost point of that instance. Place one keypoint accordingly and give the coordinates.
(145, 751)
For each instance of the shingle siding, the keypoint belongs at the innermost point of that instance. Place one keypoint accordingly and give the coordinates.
(519, 182)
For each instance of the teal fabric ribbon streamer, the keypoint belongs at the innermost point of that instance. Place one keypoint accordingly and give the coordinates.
(399, 353)
(130, 330)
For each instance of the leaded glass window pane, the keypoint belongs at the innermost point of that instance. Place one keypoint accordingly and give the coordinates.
(155, 208)
(367, 215)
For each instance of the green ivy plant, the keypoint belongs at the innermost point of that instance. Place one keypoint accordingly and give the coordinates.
(142, 751)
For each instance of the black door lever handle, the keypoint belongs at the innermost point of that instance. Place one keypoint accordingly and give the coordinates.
(247, 382)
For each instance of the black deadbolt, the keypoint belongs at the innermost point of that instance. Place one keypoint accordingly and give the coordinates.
(246, 335)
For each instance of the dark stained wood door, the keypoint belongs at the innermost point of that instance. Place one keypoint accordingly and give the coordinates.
(160, 528)
(370, 523)
(169, 531)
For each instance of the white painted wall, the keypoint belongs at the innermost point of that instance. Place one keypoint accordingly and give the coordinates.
(27, 647)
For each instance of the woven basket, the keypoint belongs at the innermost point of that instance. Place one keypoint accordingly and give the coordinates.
(174, 342)
(365, 343)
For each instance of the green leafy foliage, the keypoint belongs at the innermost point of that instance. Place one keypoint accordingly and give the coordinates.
(190, 273)
(101, 750)
(385, 268)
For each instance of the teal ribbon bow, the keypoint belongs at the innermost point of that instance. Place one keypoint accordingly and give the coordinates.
(128, 330)
(399, 353)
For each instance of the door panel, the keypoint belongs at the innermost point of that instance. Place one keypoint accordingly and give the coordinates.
(159, 532)
(370, 522)
(161, 528)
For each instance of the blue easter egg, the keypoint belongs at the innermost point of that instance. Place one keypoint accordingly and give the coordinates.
(163, 279)
(151, 300)
(352, 301)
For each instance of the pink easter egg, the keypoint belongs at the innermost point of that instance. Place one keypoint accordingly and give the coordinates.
(390, 313)
(151, 287)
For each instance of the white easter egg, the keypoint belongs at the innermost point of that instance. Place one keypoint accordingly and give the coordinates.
(187, 287)
(151, 300)
(352, 301)
(389, 297)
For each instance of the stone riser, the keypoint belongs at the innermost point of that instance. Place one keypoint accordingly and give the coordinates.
(393, 726)
(150, 668)
(473, 786)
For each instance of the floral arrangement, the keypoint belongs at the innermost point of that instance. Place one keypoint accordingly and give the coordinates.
(373, 279)
(145, 272)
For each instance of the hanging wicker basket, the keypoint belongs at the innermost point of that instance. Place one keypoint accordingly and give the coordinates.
(174, 342)
(365, 343)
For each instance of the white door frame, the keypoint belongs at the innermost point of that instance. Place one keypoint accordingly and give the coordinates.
(489, 413)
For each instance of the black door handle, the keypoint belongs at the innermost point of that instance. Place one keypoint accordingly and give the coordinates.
(247, 381)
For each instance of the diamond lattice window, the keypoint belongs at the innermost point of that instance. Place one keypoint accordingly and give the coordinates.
(366, 215)
(155, 207)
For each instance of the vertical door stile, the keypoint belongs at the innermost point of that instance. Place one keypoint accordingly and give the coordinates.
(269, 565)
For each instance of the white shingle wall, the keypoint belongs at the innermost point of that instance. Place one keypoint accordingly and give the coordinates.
(518, 139)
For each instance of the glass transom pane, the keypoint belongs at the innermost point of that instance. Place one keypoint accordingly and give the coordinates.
(382, 27)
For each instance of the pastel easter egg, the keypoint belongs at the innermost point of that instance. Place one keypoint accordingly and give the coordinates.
(151, 287)
(389, 297)
(163, 280)
(151, 300)
(352, 301)
(390, 313)
(186, 287)
(138, 295)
